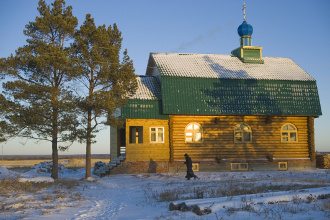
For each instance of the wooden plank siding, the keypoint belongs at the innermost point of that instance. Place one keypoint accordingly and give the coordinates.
(147, 150)
(218, 137)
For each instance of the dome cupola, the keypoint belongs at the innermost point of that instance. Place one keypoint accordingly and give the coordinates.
(245, 29)
(246, 52)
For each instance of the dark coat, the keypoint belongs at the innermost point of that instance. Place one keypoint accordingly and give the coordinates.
(188, 162)
(190, 172)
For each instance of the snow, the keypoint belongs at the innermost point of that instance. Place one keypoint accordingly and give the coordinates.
(36, 179)
(148, 88)
(4, 172)
(227, 67)
(45, 168)
(229, 195)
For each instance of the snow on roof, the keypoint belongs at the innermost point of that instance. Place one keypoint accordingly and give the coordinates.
(148, 88)
(227, 66)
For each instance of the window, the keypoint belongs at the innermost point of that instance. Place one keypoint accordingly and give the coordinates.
(193, 133)
(282, 165)
(242, 133)
(289, 133)
(195, 167)
(239, 166)
(157, 135)
(135, 134)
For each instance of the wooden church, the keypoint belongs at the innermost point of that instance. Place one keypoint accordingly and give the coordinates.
(227, 112)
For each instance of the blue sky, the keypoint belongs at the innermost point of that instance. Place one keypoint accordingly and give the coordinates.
(294, 29)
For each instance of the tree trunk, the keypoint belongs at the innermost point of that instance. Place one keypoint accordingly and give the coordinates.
(88, 144)
(54, 145)
(55, 159)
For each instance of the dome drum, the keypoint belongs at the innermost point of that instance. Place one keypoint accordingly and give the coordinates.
(246, 41)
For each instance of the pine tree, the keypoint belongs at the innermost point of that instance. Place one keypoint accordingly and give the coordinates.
(3, 123)
(107, 80)
(7, 130)
(40, 73)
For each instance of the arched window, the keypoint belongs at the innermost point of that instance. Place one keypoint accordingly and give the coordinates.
(242, 133)
(193, 133)
(289, 133)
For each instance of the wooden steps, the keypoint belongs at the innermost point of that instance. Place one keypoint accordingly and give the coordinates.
(104, 170)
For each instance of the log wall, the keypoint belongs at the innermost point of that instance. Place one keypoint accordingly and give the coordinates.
(311, 138)
(323, 161)
(147, 151)
(218, 138)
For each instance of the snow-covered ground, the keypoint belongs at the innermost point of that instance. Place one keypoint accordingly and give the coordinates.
(223, 195)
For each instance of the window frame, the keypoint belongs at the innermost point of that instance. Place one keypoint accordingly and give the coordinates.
(194, 132)
(134, 137)
(242, 136)
(240, 168)
(282, 163)
(157, 132)
(195, 167)
(289, 133)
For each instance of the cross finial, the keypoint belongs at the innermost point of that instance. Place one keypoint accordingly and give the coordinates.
(244, 10)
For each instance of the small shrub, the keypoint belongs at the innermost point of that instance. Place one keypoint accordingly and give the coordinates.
(47, 198)
(68, 184)
(310, 199)
(47, 212)
(78, 196)
(59, 195)
(167, 195)
(24, 196)
(324, 196)
(14, 186)
(198, 193)
(296, 200)
(232, 210)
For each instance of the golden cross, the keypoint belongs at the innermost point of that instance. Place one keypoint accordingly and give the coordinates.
(244, 10)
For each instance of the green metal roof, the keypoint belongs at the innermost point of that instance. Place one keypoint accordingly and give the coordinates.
(202, 84)
(143, 109)
(209, 96)
(146, 102)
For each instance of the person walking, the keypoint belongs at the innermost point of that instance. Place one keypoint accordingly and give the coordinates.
(190, 172)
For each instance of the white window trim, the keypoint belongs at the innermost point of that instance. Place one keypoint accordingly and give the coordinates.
(156, 131)
(289, 131)
(193, 133)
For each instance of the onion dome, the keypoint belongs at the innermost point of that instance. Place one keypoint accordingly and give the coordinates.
(245, 29)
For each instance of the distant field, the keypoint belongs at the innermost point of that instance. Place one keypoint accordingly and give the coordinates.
(68, 161)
